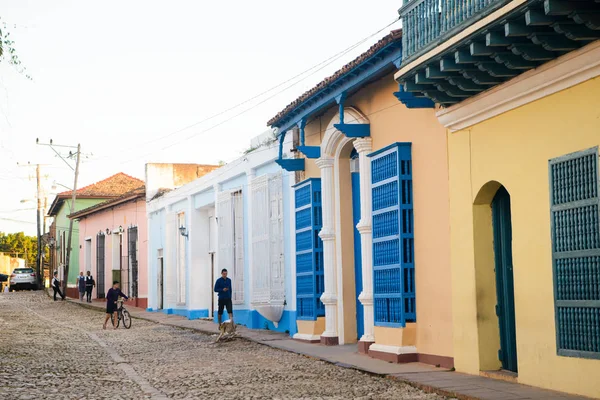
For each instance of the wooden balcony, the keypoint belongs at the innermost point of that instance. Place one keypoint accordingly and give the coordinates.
(450, 52)
(426, 23)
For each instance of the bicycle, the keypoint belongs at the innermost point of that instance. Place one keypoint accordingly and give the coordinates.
(122, 314)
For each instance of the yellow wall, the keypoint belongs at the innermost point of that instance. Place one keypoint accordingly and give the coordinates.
(392, 122)
(513, 149)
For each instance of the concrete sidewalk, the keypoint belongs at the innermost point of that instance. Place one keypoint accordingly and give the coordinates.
(423, 376)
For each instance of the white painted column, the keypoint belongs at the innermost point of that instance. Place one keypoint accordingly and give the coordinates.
(364, 147)
(327, 234)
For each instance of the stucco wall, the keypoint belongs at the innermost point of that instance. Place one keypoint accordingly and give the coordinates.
(62, 225)
(513, 149)
(132, 213)
(392, 122)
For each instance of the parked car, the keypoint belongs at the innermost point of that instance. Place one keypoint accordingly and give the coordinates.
(23, 278)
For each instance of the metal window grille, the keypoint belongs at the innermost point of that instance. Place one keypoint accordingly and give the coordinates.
(575, 225)
(132, 237)
(181, 260)
(309, 250)
(393, 236)
(100, 253)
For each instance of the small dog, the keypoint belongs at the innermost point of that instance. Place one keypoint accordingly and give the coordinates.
(227, 331)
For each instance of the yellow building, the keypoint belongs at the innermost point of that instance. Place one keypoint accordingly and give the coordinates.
(518, 89)
(372, 215)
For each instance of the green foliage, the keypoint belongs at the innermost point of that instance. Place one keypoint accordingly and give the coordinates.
(8, 53)
(25, 246)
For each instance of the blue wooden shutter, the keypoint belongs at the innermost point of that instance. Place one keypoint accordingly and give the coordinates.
(575, 214)
(393, 236)
(309, 250)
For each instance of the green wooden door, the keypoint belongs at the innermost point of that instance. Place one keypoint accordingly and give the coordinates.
(505, 309)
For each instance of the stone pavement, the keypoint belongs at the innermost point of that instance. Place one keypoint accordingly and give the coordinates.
(58, 350)
(423, 376)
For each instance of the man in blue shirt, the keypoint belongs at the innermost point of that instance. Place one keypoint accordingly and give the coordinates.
(223, 288)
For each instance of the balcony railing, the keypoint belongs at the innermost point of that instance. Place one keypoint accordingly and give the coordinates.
(426, 23)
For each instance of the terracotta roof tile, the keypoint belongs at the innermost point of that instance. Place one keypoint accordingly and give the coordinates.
(391, 37)
(113, 186)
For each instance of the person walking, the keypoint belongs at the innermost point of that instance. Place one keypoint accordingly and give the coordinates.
(56, 286)
(81, 285)
(89, 286)
(112, 296)
(223, 288)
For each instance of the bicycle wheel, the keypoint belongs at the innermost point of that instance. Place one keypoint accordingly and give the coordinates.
(126, 319)
(112, 319)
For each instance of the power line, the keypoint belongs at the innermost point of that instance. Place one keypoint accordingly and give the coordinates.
(327, 62)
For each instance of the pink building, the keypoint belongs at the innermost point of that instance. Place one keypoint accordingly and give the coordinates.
(113, 245)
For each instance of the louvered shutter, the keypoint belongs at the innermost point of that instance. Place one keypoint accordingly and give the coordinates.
(275, 221)
(100, 265)
(267, 240)
(309, 250)
(238, 247)
(393, 236)
(260, 240)
(575, 224)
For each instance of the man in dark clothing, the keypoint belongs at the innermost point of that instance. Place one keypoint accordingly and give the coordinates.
(223, 288)
(89, 286)
(112, 296)
(56, 286)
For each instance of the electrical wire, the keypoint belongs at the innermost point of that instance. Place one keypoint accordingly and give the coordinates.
(326, 63)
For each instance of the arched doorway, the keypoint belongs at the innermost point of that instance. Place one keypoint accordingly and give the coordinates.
(494, 278)
(505, 292)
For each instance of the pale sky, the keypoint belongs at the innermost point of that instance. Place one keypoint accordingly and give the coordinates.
(123, 77)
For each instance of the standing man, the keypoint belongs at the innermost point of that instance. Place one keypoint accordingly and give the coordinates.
(56, 286)
(81, 285)
(89, 286)
(223, 288)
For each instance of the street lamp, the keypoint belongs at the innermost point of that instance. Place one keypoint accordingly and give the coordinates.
(55, 184)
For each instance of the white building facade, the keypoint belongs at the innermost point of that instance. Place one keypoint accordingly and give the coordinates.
(238, 217)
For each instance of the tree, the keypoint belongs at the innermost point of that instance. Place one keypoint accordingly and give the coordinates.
(8, 53)
(17, 244)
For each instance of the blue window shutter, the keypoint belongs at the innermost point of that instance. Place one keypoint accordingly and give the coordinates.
(309, 250)
(575, 225)
(393, 236)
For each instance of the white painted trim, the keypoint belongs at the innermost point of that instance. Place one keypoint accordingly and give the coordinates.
(393, 349)
(306, 336)
(460, 36)
(562, 73)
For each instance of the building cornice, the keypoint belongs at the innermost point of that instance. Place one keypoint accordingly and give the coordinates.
(562, 73)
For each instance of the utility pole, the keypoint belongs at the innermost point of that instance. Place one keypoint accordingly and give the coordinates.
(39, 226)
(77, 156)
(68, 259)
(39, 257)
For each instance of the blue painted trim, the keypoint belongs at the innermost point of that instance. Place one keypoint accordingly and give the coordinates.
(411, 101)
(354, 130)
(253, 320)
(310, 151)
(149, 309)
(167, 311)
(375, 66)
(389, 147)
(291, 164)
(301, 126)
(341, 100)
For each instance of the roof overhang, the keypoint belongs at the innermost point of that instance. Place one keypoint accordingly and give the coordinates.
(523, 38)
(60, 199)
(106, 205)
(382, 62)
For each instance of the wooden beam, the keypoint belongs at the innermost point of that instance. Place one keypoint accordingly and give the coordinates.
(539, 18)
(533, 52)
(554, 42)
(577, 32)
(515, 62)
(590, 20)
(421, 78)
(482, 78)
(467, 85)
(433, 72)
(498, 70)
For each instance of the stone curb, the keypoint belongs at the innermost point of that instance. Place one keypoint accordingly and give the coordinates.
(426, 388)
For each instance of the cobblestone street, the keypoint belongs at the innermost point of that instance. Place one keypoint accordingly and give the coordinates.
(55, 350)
